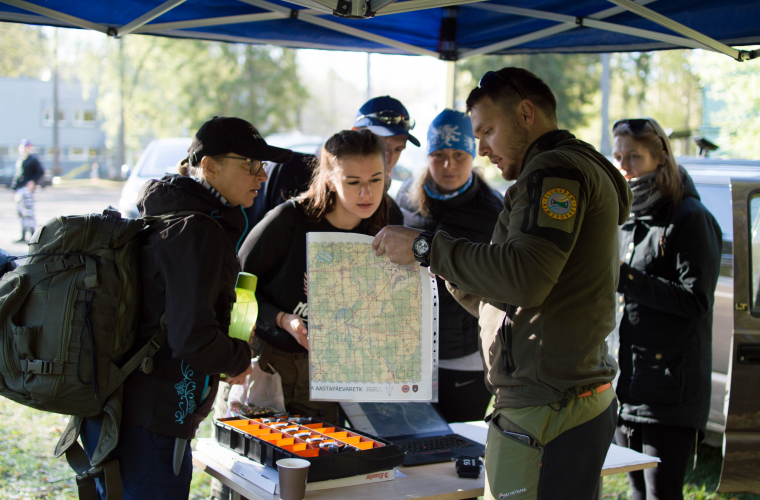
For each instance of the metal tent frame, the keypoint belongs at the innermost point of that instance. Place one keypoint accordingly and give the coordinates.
(316, 12)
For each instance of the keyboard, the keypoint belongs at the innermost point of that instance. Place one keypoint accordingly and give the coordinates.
(432, 444)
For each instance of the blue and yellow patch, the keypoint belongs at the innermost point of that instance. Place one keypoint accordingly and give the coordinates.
(559, 204)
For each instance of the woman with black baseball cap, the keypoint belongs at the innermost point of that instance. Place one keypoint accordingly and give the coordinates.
(188, 274)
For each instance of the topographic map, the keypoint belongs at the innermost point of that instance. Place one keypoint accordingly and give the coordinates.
(368, 334)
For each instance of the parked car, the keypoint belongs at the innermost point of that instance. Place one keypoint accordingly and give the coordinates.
(730, 189)
(160, 157)
(6, 174)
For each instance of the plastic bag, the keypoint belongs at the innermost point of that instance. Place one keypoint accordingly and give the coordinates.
(259, 389)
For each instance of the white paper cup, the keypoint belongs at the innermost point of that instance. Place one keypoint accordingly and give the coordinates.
(293, 473)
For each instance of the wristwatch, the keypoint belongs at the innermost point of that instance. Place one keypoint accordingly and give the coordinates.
(421, 248)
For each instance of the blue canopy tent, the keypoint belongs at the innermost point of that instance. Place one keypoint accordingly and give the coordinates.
(445, 29)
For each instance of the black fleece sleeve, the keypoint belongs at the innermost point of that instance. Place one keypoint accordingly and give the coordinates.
(263, 253)
(188, 257)
(696, 255)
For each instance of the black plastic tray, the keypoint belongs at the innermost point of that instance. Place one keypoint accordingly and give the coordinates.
(324, 467)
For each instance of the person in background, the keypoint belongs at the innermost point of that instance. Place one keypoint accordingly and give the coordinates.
(385, 116)
(29, 171)
(189, 270)
(450, 196)
(670, 252)
(347, 194)
(544, 290)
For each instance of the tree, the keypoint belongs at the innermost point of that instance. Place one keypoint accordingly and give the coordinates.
(574, 79)
(737, 86)
(171, 87)
(26, 51)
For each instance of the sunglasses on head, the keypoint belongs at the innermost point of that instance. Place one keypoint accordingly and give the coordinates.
(637, 126)
(492, 77)
(390, 118)
(254, 166)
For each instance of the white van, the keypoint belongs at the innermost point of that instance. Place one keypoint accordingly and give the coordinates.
(160, 157)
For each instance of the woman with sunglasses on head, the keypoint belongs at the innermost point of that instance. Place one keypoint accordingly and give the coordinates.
(670, 250)
(188, 273)
(450, 196)
(346, 194)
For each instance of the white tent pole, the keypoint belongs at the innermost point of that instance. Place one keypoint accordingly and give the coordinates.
(655, 17)
(513, 42)
(54, 14)
(593, 23)
(537, 35)
(571, 21)
(148, 17)
(214, 21)
(451, 84)
(343, 28)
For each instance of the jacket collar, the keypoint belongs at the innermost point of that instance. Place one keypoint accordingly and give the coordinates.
(174, 193)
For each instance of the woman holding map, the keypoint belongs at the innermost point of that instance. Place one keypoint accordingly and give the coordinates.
(346, 194)
(450, 196)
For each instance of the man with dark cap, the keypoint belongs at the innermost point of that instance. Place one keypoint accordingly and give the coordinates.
(28, 173)
(543, 290)
(385, 116)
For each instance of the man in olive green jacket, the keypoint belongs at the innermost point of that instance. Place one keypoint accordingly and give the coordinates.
(544, 292)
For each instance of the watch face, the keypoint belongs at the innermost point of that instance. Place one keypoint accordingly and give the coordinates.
(421, 247)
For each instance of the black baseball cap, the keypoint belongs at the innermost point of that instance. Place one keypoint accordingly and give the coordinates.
(222, 135)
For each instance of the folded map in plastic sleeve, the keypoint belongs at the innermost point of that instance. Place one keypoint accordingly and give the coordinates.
(373, 325)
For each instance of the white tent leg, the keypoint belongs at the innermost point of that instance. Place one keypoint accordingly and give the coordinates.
(451, 84)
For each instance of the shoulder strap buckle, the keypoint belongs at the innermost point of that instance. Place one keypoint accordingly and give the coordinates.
(93, 472)
(39, 366)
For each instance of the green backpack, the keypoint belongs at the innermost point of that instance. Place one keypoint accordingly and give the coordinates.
(67, 318)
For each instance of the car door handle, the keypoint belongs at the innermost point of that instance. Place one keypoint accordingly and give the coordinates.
(749, 354)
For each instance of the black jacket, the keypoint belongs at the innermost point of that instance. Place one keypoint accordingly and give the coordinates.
(29, 170)
(275, 251)
(671, 258)
(287, 180)
(471, 215)
(189, 269)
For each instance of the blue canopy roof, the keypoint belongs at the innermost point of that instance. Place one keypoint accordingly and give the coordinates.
(438, 28)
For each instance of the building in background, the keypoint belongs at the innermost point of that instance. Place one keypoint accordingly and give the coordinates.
(26, 112)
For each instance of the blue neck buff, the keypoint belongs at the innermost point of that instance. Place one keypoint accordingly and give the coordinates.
(432, 190)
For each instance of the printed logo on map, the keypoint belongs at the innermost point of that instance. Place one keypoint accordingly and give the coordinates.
(405, 389)
(559, 204)
(415, 388)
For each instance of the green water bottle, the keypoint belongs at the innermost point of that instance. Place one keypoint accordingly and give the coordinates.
(246, 309)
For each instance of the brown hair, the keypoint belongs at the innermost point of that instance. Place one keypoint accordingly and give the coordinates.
(184, 167)
(506, 96)
(668, 179)
(419, 197)
(319, 200)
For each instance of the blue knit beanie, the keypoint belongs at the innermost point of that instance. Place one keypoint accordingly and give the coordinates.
(451, 129)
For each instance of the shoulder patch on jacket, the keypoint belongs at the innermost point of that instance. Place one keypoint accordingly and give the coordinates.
(555, 200)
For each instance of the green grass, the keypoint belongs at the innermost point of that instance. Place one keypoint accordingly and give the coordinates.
(28, 469)
(701, 482)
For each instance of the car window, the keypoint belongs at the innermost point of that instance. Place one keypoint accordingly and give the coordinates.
(717, 199)
(754, 210)
(163, 158)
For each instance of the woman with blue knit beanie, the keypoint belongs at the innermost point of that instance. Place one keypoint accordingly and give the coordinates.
(450, 196)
